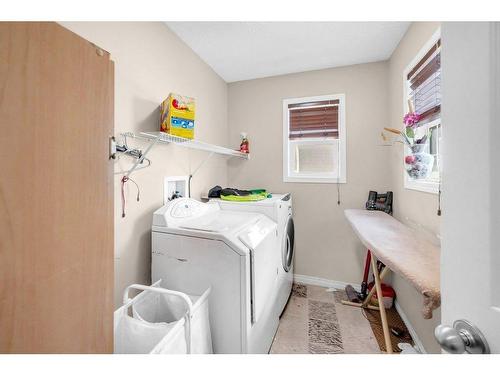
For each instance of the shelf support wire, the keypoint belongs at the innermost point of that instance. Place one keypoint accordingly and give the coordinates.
(196, 170)
(202, 163)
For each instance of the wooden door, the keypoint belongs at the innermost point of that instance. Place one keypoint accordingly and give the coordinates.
(56, 192)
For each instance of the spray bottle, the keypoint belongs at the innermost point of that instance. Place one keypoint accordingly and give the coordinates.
(244, 144)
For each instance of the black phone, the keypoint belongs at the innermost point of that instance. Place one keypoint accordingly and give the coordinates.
(380, 202)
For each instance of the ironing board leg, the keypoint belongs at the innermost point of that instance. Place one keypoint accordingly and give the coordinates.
(383, 316)
(373, 290)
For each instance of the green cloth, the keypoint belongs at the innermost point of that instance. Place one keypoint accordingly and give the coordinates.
(259, 191)
(257, 195)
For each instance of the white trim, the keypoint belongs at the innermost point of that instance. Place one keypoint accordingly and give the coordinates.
(342, 175)
(431, 187)
(411, 330)
(326, 283)
(318, 281)
(312, 106)
(313, 180)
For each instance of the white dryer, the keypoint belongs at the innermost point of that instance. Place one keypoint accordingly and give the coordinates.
(278, 208)
(196, 245)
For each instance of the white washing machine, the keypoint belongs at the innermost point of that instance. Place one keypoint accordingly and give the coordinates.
(279, 209)
(196, 245)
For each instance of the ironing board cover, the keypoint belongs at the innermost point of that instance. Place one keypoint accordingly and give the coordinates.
(398, 247)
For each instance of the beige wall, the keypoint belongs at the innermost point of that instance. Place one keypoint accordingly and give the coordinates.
(326, 247)
(416, 208)
(150, 62)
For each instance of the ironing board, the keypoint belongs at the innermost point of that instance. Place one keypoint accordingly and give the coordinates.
(397, 246)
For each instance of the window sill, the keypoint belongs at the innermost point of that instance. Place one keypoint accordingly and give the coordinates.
(431, 187)
(317, 180)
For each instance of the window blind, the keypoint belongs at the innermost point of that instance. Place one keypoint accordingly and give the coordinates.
(314, 119)
(424, 82)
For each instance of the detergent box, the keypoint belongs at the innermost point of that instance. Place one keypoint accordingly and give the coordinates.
(177, 116)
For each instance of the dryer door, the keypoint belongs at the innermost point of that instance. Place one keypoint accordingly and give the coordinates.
(261, 239)
(288, 247)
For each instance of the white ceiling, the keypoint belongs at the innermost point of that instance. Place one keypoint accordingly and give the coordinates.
(246, 50)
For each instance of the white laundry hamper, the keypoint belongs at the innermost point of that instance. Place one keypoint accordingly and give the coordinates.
(163, 322)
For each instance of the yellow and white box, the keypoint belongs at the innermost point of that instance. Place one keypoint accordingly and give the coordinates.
(177, 116)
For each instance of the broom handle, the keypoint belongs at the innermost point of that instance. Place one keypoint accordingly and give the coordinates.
(364, 284)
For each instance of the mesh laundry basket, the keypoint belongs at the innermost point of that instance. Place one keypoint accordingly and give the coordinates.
(162, 321)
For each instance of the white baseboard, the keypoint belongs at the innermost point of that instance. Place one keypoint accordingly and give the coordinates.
(326, 283)
(311, 280)
(411, 330)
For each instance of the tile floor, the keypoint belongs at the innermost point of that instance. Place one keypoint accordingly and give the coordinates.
(315, 321)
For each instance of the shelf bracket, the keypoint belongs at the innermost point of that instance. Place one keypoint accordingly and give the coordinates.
(140, 160)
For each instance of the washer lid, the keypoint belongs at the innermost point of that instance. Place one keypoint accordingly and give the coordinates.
(220, 221)
(178, 211)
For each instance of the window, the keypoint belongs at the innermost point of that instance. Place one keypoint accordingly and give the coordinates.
(314, 139)
(422, 88)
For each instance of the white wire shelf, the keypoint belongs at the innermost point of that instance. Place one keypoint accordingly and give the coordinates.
(164, 138)
(194, 144)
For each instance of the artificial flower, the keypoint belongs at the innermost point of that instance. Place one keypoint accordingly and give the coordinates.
(411, 119)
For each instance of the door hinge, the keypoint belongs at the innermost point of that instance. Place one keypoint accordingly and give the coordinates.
(112, 147)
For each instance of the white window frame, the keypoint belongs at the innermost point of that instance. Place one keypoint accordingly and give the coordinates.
(426, 186)
(288, 174)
